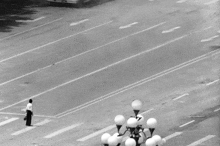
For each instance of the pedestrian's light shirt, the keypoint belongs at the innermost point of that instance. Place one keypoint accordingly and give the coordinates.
(29, 107)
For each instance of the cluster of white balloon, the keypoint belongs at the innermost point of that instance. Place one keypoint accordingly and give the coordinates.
(137, 135)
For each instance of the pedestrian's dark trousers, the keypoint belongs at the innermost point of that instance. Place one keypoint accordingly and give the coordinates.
(29, 117)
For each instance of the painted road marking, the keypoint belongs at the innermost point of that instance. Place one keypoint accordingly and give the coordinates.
(173, 135)
(1, 84)
(181, 1)
(1, 39)
(27, 21)
(170, 30)
(147, 111)
(217, 110)
(101, 69)
(209, 39)
(129, 25)
(133, 85)
(211, 2)
(212, 82)
(123, 60)
(79, 22)
(201, 140)
(181, 96)
(8, 121)
(32, 127)
(96, 133)
(18, 114)
(53, 42)
(62, 130)
(187, 123)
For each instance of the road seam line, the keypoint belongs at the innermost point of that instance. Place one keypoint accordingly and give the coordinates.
(187, 123)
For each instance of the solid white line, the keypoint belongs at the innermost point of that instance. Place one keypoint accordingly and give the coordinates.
(201, 140)
(32, 127)
(37, 19)
(181, 96)
(8, 121)
(27, 21)
(170, 30)
(181, 1)
(211, 2)
(133, 85)
(18, 114)
(96, 133)
(62, 130)
(53, 42)
(29, 29)
(217, 110)
(147, 111)
(209, 39)
(82, 53)
(212, 82)
(129, 25)
(173, 135)
(187, 123)
(79, 22)
(101, 69)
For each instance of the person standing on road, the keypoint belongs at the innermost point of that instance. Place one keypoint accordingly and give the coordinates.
(29, 112)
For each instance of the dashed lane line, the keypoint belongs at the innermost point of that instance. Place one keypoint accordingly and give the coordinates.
(201, 140)
(53, 42)
(210, 39)
(181, 1)
(211, 2)
(212, 82)
(181, 96)
(19, 114)
(8, 121)
(217, 110)
(187, 123)
(173, 135)
(14, 79)
(170, 30)
(1, 39)
(31, 127)
(27, 21)
(79, 22)
(62, 130)
(129, 25)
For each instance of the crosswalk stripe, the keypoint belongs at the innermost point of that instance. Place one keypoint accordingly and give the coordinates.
(62, 130)
(8, 121)
(96, 133)
(201, 140)
(32, 127)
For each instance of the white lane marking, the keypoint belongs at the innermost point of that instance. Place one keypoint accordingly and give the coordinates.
(211, 2)
(217, 110)
(83, 53)
(27, 21)
(201, 140)
(129, 25)
(32, 127)
(1, 39)
(62, 130)
(123, 60)
(209, 39)
(147, 111)
(18, 114)
(133, 85)
(173, 135)
(212, 82)
(96, 133)
(170, 30)
(101, 69)
(8, 121)
(181, 96)
(53, 42)
(181, 1)
(187, 123)
(79, 22)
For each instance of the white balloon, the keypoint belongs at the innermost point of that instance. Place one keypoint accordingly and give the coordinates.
(132, 122)
(112, 141)
(119, 138)
(130, 142)
(141, 138)
(105, 138)
(150, 142)
(157, 139)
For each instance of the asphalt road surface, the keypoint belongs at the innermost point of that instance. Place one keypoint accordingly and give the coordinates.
(84, 66)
